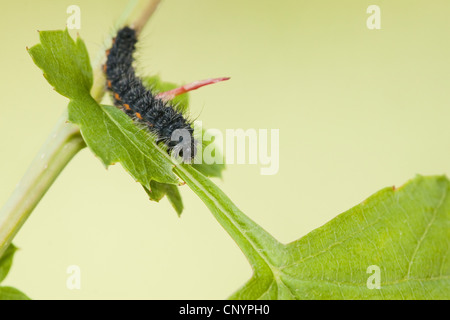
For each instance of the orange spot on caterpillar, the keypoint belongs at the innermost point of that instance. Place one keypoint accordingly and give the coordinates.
(109, 84)
(116, 95)
(104, 68)
(127, 107)
(138, 115)
(107, 52)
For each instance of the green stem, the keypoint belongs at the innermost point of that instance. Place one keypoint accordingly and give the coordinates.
(61, 146)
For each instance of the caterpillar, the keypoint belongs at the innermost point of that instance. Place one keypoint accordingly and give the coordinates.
(129, 93)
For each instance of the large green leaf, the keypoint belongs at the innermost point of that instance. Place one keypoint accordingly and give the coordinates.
(404, 233)
(9, 293)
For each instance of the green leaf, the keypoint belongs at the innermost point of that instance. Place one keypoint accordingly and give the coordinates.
(6, 261)
(159, 190)
(9, 293)
(65, 63)
(405, 233)
(108, 131)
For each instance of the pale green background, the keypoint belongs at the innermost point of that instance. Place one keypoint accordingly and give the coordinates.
(357, 110)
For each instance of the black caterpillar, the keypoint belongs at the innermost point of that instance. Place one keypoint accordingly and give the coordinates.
(161, 117)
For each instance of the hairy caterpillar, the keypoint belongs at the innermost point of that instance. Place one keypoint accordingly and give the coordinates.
(159, 115)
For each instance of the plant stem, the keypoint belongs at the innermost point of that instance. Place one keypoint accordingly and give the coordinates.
(146, 13)
(61, 146)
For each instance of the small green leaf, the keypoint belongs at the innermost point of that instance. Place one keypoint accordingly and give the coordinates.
(65, 63)
(6, 261)
(405, 233)
(9, 293)
(159, 190)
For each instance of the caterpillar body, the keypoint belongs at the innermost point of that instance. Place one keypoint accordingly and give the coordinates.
(129, 93)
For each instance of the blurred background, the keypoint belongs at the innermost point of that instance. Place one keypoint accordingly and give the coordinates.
(357, 110)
